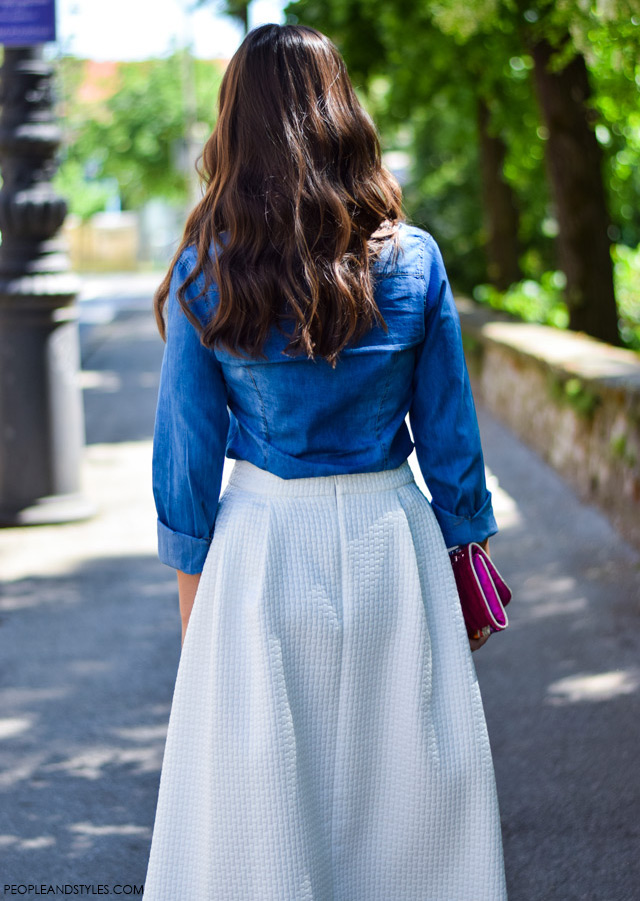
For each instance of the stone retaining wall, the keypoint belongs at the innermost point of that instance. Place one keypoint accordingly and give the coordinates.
(573, 399)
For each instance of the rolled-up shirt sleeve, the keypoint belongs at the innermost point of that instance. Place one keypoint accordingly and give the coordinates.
(443, 417)
(189, 440)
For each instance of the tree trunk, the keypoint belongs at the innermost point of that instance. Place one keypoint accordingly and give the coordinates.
(500, 210)
(574, 165)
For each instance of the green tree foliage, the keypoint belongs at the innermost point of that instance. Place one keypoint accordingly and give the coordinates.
(136, 134)
(423, 86)
(568, 43)
(424, 67)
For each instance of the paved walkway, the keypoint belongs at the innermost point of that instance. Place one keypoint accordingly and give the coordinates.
(90, 642)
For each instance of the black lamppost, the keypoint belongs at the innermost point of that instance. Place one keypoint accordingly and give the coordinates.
(41, 414)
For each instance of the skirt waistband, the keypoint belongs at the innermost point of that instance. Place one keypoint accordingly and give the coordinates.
(249, 477)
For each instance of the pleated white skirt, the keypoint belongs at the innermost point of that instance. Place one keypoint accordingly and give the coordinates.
(327, 739)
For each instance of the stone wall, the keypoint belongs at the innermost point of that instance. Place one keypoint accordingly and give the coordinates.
(573, 399)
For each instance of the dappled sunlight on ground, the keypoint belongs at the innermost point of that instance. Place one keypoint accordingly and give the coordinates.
(546, 609)
(504, 505)
(10, 726)
(94, 761)
(86, 708)
(15, 842)
(597, 687)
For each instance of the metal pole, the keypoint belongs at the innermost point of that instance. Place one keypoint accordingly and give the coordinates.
(41, 413)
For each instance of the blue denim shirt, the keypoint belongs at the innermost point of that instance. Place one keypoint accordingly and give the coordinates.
(296, 417)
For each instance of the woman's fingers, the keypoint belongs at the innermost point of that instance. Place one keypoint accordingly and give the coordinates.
(479, 638)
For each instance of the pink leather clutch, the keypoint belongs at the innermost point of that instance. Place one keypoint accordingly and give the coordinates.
(483, 592)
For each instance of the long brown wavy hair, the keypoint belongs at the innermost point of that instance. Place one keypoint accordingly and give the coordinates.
(296, 204)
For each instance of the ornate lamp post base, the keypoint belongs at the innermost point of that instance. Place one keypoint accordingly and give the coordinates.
(41, 414)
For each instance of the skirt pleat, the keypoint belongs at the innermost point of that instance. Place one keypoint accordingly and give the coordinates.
(327, 739)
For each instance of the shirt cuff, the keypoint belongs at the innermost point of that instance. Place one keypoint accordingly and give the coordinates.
(183, 552)
(464, 529)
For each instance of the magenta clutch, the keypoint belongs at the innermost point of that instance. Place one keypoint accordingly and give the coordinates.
(483, 592)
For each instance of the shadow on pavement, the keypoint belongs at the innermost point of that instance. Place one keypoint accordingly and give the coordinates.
(89, 663)
(561, 688)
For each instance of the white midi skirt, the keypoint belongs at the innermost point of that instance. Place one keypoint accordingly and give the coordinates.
(327, 738)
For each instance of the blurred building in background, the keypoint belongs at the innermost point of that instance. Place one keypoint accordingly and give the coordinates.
(133, 133)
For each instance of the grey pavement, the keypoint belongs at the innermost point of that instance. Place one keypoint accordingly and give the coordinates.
(90, 643)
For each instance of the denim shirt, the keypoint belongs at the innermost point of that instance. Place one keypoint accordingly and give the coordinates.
(297, 417)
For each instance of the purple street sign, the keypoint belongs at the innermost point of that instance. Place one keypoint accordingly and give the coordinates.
(25, 22)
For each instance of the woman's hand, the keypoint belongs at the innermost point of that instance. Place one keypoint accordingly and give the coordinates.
(187, 588)
(476, 643)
